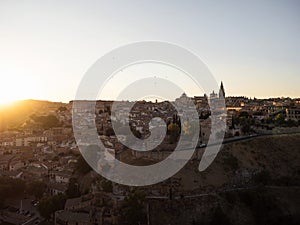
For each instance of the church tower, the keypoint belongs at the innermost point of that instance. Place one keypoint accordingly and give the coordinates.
(222, 91)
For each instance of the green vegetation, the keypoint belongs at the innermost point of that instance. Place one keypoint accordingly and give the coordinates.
(36, 188)
(247, 121)
(244, 120)
(49, 205)
(15, 115)
(91, 155)
(73, 189)
(9, 188)
(279, 121)
(204, 115)
(82, 166)
(46, 122)
(62, 109)
(174, 131)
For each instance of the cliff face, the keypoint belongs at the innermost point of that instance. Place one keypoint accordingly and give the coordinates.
(278, 154)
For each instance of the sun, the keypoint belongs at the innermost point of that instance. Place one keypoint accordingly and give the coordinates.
(16, 87)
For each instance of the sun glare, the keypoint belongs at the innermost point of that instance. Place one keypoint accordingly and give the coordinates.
(13, 88)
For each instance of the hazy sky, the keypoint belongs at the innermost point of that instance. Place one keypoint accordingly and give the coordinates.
(47, 46)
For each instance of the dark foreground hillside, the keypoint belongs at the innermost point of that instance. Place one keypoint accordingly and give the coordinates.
(251, 182)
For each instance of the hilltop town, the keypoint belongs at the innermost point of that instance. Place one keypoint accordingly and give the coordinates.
(39, 153)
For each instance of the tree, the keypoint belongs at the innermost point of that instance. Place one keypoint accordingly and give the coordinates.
(45, 208)
(49, 205)
(174, 132)
(269, 120)
(46, 122)
(73, 189)
(245, 123)
(292, 123)
(244, 114)
(62, 109)
(10, 188)
(246, 128)
(36, 188)
(279, 119)
(90, 160)
(82, 166)
(50, 121)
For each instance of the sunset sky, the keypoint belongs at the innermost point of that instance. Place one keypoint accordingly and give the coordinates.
(47, 46)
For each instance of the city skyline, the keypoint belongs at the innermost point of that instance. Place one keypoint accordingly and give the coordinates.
(47, 47)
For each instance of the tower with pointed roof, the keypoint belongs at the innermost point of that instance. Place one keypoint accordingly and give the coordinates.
(222, 91)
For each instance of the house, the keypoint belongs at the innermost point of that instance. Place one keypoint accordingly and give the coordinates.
(11, 174)
(55, 188)
(4, 161)
(293, 113)
(79, 203)
(101, 208)
(62, 176)
(3, 165)
(36, 172)
(15, 165)
(27, 141)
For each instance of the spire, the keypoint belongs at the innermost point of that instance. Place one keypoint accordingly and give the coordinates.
(222, 91)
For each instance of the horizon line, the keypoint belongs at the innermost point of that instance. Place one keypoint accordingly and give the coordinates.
(68, 101)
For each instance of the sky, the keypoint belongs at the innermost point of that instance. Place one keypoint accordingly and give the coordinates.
(47, 46)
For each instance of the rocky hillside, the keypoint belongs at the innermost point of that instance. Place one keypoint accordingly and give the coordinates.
(250, 182)
(15, 114)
